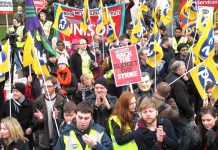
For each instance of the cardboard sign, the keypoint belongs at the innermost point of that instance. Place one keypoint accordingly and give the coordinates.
(39, 4)
(6, 7)
(125, 64)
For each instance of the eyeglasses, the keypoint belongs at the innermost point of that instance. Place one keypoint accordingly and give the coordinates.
(48, 86)
(83, 44)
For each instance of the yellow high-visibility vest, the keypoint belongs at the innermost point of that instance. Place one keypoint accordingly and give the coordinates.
(175, 44)
(71, 141)
(19, 31)
(128, 146)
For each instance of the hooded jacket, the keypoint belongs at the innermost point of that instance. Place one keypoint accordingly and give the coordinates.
(105, 143)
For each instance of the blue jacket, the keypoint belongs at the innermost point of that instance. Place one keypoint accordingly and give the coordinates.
(105, 140)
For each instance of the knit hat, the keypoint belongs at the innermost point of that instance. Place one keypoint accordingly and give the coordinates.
(20, 87)
(62, 60)
(102, 81)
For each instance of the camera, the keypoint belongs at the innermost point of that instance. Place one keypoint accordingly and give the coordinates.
(12, 36)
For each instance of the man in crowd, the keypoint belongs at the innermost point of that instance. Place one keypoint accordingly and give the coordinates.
(82, 61)
(45, 106)
(103, 103)
(180, 94)
(20, 108)
(83, 133)
(178, 38)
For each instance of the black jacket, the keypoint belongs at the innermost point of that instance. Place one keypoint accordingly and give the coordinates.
(19, 145)
(76, 63)
(23, 113)
(146, 139)
(180, 94)
(101, 114)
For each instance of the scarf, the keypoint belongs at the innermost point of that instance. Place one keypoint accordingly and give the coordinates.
(64, 81)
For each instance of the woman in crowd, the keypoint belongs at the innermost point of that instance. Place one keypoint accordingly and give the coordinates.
(209, 128)
(66, 79)
(85, 88)
(12, 136)
(122, 122)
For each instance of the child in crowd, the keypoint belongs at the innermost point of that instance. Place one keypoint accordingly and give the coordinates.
(69, 114)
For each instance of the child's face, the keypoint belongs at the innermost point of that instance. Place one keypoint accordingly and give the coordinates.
(68, 117)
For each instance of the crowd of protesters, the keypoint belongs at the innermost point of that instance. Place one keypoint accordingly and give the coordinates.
(79, 106)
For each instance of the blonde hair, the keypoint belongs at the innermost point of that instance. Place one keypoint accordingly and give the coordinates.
(15, 130)
(86, 75)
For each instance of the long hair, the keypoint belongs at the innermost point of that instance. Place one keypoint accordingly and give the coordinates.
(16, 132)
(121, 110)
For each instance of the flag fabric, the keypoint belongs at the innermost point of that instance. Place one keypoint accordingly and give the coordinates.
(32, 24)
(139, 29)
(61, 23)
(167, 14)
(111, 34)
(27, 51)
(100, 25)
(189, 9)
(2, 77)
(189, 27)
(104, 15)
(85, 17)
(204, 73)
(215, 90)
(154, 48)
(39, 65)
(205, 45)
(4, 58)
(143, 5)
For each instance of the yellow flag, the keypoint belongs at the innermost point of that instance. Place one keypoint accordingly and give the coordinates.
(111, 34)
(4, 58)
(85, 17)
(189, 9)
(100, 25)
(27, 51)
(205, 45)
(201, 75)
(60, 23)
(37, 64)
(167, 14)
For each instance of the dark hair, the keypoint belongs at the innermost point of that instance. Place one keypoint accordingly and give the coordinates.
(52, 79)
(121, 110)
(165, 38)
(84, 107)
(163, 89)
(215, 29)
(123, 36)
(209, 86)
(130, 26)
(69, 107)
(178, 28)
(181, 45)
(60, 42)
(209, 110)
(163, 27)
(84, 39)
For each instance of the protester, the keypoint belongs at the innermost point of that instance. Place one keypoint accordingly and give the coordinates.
(83, 132)
(154, 132)
(82, 61)
(180, 95)
(123, 121)
(210, 100)
(20, 14)
(45, 105)
(61, 51)
(12, 136)
(143, 52)
(178, 38)
(66, 79)
(209, 128)
(144, 88)
(69, 114)
(167, 107)
(85, 89)
(20, 108)
(103, 103)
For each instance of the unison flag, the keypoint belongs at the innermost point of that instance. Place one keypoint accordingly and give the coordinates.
(60, 23)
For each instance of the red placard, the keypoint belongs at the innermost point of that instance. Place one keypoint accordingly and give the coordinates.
(39, 3)
(209, 3)
(6, 7)
(74, 16)
(125, 65)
